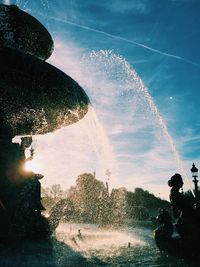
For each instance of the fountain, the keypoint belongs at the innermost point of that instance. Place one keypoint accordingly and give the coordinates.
(36, 98)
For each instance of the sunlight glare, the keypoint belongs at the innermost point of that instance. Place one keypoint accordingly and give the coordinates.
(32, 165)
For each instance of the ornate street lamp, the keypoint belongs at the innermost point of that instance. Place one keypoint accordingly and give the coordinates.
(194, 172)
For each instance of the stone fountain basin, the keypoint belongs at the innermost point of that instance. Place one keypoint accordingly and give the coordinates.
(36, 97)
(22, 31)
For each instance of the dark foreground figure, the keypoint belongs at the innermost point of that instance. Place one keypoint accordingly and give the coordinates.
(20, 195)
(183, 237)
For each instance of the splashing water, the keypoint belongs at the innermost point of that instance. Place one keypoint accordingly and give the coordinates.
(7, 2)
(107, 66)
(103, 242)
(24, 3)
(153, 107)
(97, 136)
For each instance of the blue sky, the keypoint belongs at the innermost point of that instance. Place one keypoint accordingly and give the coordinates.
(127, 55)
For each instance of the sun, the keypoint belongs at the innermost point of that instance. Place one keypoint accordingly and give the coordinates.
(32, 165)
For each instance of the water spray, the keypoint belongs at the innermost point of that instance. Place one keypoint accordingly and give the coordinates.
(7, 2)
(144, 90)
(133, 81)
(162, 123)
(97, 136)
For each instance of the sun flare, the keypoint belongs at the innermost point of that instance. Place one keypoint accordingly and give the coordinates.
(32, 165)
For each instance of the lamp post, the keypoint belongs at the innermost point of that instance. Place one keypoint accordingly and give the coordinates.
(108, 174)
(194, 172)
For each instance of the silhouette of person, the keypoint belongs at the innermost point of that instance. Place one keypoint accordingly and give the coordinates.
(79, 235)
(182, 206)
(163, 233)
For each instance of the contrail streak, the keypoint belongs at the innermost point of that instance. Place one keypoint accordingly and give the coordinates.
(124, 39)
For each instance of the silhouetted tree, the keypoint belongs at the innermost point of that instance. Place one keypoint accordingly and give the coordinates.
(86, 197)
(51, 195)
(145, 200)
(118, 200)
(105, 209)
(56, 191)
(90, 201)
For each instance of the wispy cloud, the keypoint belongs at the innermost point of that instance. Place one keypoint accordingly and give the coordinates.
(120, 38)
(135, 7)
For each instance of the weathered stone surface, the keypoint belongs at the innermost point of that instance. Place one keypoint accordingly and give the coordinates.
(36, 97)
(21, 31)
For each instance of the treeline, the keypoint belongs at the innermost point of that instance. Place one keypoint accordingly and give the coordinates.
(90, 201)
